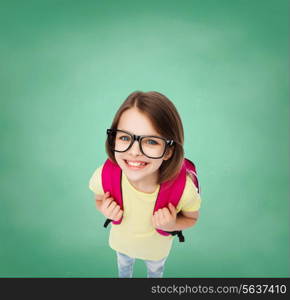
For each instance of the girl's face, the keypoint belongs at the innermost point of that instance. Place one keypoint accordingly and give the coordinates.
(137, 123)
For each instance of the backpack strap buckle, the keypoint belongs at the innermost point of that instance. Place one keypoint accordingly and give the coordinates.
(107, 222)
(178, 233)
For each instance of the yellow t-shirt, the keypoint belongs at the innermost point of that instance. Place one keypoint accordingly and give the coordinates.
(136, 236)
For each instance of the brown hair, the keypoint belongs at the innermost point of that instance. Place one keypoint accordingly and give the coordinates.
(166, 121)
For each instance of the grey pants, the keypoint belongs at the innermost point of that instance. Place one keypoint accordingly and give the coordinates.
(126, 263)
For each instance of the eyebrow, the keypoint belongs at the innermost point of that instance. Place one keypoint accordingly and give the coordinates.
(156, 135)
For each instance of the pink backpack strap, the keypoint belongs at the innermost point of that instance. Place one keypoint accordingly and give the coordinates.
(112, 182)
(191, 171)
(171, 191)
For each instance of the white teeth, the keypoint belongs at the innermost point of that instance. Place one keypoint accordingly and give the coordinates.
(135, 164)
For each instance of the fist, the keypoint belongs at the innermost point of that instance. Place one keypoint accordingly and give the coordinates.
(165, 218)
(110, 209)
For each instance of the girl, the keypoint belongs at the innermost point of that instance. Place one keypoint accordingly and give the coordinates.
(146, 142)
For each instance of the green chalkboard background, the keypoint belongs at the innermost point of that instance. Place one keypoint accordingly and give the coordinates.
(66, 66)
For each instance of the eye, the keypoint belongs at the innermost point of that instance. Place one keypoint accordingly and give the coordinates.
(152, 142)
(124, 138)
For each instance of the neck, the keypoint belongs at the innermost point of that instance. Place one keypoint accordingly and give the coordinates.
(147, 184)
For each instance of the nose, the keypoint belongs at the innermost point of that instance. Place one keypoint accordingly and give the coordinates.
(135, 149)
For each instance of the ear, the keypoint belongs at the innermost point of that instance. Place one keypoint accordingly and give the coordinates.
(168, 153)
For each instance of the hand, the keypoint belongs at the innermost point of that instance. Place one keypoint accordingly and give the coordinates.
(109, 208)
(165, 218)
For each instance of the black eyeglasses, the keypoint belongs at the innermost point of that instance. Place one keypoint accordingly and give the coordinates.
(150, 145)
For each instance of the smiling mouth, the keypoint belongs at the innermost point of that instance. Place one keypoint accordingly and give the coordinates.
(135, 164)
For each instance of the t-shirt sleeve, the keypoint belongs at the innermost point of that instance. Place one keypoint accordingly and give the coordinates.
(190, 200)
(95, 183)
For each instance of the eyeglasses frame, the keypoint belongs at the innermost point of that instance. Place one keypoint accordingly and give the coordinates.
(138, 138)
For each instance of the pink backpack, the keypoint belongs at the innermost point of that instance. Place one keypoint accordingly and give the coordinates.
(169, 192)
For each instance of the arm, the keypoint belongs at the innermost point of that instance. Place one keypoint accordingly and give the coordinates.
(99, 199)
(185, 220)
